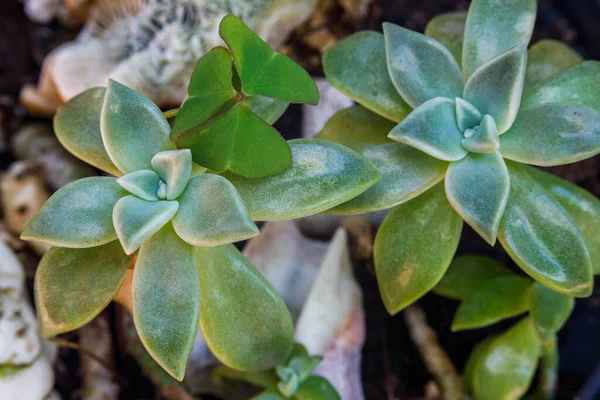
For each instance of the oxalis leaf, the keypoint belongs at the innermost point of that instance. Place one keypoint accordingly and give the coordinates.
(549, 310)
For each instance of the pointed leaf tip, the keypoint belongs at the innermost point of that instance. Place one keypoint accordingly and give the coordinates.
(484, 138)
(174, 167)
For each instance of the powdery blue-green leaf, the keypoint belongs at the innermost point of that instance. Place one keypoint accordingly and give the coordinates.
(405, 172)
(477, 187)
(133, 128)
(542, 239)
(579, 84)
(433, 129)
(414, 247)
(493, 27)
(142, 183)
(72, 286)
(496, 87)
(244, 321)
(77, 127)
(136, 220)
(174, 167)
(467, 273)
(483, 138)
(266, 108)
(421, 68)
(547, 58)
(78, 215)
(500, 298)
(316, 388)
(323, 174)
(549, 310)
(553, 134)
(467, 115)
(212, 213)
(356, 65)
(166, 299)
(449, 29)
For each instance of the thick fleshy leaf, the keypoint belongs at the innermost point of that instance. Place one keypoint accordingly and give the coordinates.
(467, 274)
(467, 115)
(483, 138)
(553, 134)
(478, 187)
(472, 361)
(142, 183)
(174, 167)
(323, 174)
(493, 27)
(244, 321)
(77, 127)
(547, 58)
(578, 85)
(449, 29)
(421, 68)
(262, 71)
(78, 214)
(239, 141)
(271, 394)
(542, 239)
(356, 65)
(548, 370)
(496, 87)
(507, 365)
(166, 299)
(500, 298)
(433, 129)
(136, 220)
(211, 213)
(133, 128)
(72, 286)
(266, 108)
(405, 172)
(582, 206)
(316, 388)
(549, 310)
(414, 247)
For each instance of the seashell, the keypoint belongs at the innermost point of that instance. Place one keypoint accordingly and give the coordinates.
(12, 276)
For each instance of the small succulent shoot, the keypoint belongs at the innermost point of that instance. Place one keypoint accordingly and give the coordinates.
(423, 119)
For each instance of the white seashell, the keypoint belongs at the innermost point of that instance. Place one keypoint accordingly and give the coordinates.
(12, 276)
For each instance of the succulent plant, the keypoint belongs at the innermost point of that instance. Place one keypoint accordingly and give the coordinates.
(423, 119)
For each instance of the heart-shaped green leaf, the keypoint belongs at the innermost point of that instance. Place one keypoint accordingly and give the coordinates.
(433, 129)
(212, 213)
(142, 183)
(495, 88)
(467, 274)
(421, 68)
(323, 174)
(77, 127)
(238, 141)
(266, 108)
(244, 321)
(477, 187)
(493, 27)
(174, 167)
(547, 58)
(263, 71)
(133, 128)
(549, 310)
(467, 115)
(542, 239)
(449, 29)
(136, 220)
(472, 361)
(316, 388)
(553, 134)
(78, 214)
(72, 286)
(414, 247)
(166, 299)
(367, 82)
(405, 172)
(500, 298)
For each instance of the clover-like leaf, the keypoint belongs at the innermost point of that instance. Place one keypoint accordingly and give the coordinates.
(368, 81)
(212, 213)
(136, 220)
(496, 87)
(433, 129)
(549, 310)
(553, 134)
(78, 215)
(542, 239)
(478, 187)
(77, 127)
(547, 58)
(244, 321)
(421, 68)
(266, 108)
(500, 298)
(166, 299)
(316, 388)
(414, 247)
(174, 167)
(72, 286)
(449, 29)
(133, 128)
(493, 27)
(467, 115)
(143, 183)
(405, 171)
(262, 71)
(323, 174)
(467, 274)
